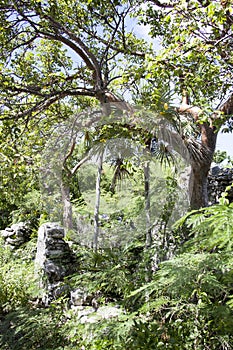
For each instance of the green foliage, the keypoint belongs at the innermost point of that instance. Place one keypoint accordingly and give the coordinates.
(221, 156)
(211, 227)
(35, 329)
(112, 272)
(186, 304)
(30, 210)
(16, 280)
(188, 57)
(20, 161)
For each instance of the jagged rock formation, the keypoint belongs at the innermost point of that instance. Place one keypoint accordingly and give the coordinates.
(218, 180)
(16, 235)
(54, 260)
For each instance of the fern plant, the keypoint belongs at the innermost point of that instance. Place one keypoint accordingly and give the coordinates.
(211, 228)
(16, 279)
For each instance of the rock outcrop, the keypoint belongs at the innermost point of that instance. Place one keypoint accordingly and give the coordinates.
(218, 180)
(16, 235)
(54, 261)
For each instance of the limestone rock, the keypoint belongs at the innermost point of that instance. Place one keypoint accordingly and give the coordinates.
(78, 297)
(54, 260)
(218, 180)
(16, 235)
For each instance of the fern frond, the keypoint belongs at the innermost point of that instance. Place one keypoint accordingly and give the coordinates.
(211, 226)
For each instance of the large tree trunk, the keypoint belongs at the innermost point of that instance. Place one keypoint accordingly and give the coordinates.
(201, 160)
(201, 167)
(199, 181)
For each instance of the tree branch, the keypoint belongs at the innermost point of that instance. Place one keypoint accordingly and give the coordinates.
(86, 53)
(114, 47)
(207, 130)
(80, 163)
(162, 5)
(36, 91)
(185, 107)
(81, 49)
(46, 102)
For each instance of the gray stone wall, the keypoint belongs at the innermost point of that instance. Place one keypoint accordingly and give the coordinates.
(218, 180)
(16, 235)
(54, 260)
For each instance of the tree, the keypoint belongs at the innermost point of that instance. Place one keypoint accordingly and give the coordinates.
(56, 56)
(55, 52)
(196, 58)
(20, 158)
(97, 201)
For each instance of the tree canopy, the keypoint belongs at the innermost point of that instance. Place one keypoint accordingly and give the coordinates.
(196, 37)
(61, 57)
(54, 50)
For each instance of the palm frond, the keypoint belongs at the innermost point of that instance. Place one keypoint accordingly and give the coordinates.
(120, 171)
(197, 151)
(163, 152)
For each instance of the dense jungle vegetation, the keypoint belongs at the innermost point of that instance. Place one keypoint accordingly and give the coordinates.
(109, 116)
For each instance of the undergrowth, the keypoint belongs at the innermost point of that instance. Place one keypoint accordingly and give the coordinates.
(186, 304)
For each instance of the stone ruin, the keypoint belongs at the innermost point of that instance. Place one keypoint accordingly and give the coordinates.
(16, 235)
(218, 180)
(54, 261)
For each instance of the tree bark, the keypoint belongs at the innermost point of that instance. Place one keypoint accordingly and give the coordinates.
(201, 160)
(199, 180)
(201, 167)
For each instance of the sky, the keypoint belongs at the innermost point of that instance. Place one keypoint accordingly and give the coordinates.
(225, 143)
